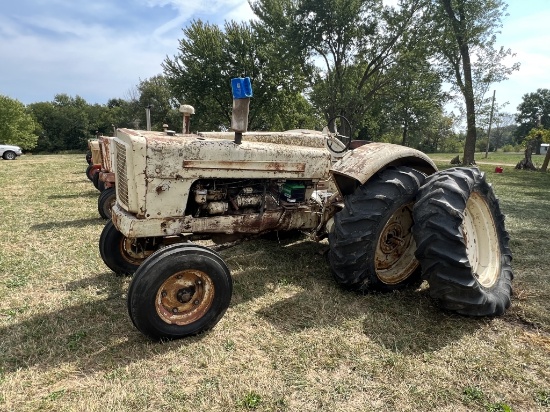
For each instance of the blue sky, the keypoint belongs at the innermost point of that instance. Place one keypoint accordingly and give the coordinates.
(100, 49)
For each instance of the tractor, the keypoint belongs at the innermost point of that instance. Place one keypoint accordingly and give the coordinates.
(391, 219)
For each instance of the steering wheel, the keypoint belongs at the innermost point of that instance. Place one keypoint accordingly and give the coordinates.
(339, 134)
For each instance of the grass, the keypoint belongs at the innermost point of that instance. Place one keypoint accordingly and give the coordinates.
(493, 158)
(291, 339)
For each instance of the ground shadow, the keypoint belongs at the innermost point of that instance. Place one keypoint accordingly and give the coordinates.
(67, 223)
(50, 339)
(92, 194)
(406, 321)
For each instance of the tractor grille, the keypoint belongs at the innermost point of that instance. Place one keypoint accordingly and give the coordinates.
(121, 174)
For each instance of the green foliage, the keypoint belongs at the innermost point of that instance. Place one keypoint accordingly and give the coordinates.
(17, 127)
(209, 57)
(68, 123)
(474, 394)
(542, 397)
(155, 92)
(250, 401)
(464, 45)
(533, 112)
(74, 340)
(508, 148)
(498, 407)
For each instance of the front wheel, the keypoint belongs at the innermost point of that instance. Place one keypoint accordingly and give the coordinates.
(89, 172)
(180, 291)
(371, 244)
(121, 254)
(105, 202)
(462, 243)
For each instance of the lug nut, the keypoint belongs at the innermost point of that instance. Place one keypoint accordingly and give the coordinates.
(196, 302)
(175, 310)
(163, 294)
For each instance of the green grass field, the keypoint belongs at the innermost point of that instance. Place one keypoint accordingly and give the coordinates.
(292, 340)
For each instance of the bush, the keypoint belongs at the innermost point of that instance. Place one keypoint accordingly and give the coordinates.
(508, 148)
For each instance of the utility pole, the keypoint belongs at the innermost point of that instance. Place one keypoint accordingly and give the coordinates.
(490, 124)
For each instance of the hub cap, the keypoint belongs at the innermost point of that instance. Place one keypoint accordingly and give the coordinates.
(394, 258)
(184, 297)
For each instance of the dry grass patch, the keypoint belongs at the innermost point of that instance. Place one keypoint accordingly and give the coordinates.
(291, 339)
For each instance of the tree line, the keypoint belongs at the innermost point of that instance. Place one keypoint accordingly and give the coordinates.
(391, 70)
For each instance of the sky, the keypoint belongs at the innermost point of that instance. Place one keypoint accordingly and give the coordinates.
(101, 49)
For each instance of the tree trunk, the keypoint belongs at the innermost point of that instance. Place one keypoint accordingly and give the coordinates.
(471, 135)
(465, 83)
(546, 161)
(526, 163)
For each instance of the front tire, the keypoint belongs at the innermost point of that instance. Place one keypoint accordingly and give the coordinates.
(463, 244)
(89, 172)
(9, 155)
(180, 291)
(121, 254)
(105, 202)
(371, 244)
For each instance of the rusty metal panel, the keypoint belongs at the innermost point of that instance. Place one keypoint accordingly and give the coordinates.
(362, 163)
(106, 151)
(130, 226)
(200, 158)
(246, 165)
(305, 138)
(96, 152)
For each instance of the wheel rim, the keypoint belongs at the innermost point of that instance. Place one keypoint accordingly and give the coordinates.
(184, 297)
(481, 239)
(134, 250)
(394, 258)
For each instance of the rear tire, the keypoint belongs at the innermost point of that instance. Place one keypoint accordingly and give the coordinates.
(105, 202)
(371, 245)
(463, 244)
(180, 291)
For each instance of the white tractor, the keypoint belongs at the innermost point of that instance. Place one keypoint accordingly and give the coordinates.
(391, 219)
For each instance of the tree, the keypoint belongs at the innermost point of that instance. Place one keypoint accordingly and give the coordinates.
(535, 137)
(533, 112)
(17, 127)
(210, 56)
(464, 46)
(504, 129)
(354, 47)
(414, 102)
(66, 123)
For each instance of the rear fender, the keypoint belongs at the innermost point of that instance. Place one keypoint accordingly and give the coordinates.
(360, 164)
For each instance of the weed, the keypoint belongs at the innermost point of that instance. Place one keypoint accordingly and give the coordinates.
(474, 394)
(74, 340)
(17, 282)
(543, 398)
(250, 401)
(498, 407)
(229, 345)
(53, 396)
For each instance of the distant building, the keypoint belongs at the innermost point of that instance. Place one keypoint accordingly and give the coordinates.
(544, 148)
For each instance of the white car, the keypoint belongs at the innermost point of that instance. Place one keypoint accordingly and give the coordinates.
(10, 152)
